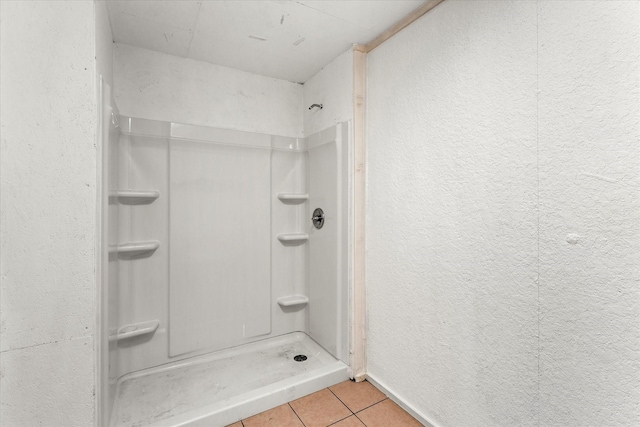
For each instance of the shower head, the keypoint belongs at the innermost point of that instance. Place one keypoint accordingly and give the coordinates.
(315, 105)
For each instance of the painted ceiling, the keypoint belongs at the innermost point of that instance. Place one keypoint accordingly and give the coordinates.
(286, 39)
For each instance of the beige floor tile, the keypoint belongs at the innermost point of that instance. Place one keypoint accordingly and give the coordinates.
(238, 424)
(352, 421)
(320, 409)
(357, 396)
(281, 416)
(387, 414)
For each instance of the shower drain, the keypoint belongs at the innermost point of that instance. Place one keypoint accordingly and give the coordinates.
(300, 358)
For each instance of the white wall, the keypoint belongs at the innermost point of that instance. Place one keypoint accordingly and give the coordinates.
(503, 217)
(589, 186)
(333, 88)
(48, 205)
(158, 86)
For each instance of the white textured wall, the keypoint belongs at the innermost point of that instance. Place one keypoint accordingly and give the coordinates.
(333, 88)
(589, 186)
(47, 222)
(503, 214)
(158, 86)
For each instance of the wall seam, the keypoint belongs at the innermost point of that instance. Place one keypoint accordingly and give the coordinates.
(46, 343)
(538, 199)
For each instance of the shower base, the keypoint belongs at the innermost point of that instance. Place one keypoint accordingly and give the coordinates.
(221, 388)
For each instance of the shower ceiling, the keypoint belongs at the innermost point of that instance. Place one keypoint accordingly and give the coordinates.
(289, 40)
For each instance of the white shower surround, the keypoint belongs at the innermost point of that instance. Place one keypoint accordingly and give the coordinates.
(289, 176)
(150, 165)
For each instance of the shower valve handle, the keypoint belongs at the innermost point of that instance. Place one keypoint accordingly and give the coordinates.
(318, 218)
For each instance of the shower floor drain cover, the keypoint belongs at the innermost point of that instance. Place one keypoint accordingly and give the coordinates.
(300, 358)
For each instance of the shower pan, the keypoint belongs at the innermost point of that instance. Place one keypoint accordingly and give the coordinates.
(220, 298)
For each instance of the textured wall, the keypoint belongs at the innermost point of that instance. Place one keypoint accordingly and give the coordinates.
(157, 86)
(503, 214)
(451, 221)
(333, 87)
(48, 211)
(589, 178)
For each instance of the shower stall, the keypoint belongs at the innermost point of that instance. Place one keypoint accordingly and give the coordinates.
(221, 295)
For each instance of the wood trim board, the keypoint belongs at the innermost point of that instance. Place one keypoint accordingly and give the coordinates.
(358, 320)
(404, 22)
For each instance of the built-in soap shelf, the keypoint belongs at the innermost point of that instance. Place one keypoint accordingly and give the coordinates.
(293, 300)
(135, 197)
(135, 248)
(293, 237)
(292, 198)
(135, 330)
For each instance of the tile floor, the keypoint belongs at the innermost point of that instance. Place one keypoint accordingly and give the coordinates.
(347, 404)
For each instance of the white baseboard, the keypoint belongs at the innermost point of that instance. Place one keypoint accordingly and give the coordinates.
(396, 398)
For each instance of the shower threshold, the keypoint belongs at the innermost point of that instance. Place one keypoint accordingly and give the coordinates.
(221, 388)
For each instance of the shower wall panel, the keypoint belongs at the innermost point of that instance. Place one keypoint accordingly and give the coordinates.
(109, 270)
(323, 290)
(328, 265)
(288, 262)
(220, 232)
(216, 279)
(143, 164)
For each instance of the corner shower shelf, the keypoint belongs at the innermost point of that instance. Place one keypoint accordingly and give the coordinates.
(135, 248)
(293, 237)
(137, 197)
(293, 300)
(292, 198)
(135, 330)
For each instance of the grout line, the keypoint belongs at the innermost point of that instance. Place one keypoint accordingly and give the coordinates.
(349, 409)
(356, 415)
(363, 409)
(345, 405)
(294, 411)
(341, 419)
